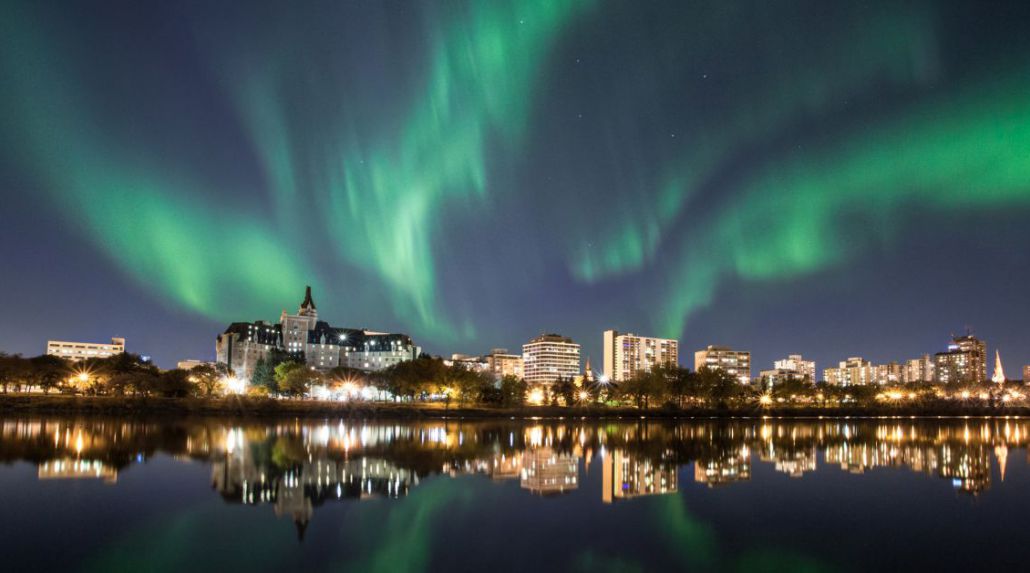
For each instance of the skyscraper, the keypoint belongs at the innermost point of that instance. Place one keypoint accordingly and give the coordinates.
(626, 354)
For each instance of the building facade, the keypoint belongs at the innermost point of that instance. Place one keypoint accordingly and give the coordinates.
(919, 370)
(503, 364)
(736, 362)
(313, 341)
(77, 351)
(627, 354)
(855, 371)
(965, 362)
(549, 357)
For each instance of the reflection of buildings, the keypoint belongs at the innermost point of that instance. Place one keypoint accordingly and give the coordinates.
(547, 472)
(792, 462)
(295, 489)
(731, 466)
(77, 469)
(969, 468)
(626, 477)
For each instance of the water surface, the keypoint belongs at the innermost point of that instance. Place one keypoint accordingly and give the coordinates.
(116, 494)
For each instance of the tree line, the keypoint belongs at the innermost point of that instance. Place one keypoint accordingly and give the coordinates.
(123, 374)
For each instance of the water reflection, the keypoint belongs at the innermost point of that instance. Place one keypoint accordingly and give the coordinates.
(297, 466)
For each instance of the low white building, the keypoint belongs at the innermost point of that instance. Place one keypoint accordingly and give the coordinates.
(76, 351)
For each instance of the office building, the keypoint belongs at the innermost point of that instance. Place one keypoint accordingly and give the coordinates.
(77, 351)
(626, 354)
(549, 357)
(311, 340)
(737, 363)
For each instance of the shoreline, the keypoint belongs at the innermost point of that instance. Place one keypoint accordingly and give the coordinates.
(250, 407)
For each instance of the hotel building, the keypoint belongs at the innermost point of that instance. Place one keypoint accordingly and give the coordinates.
(315, 342)
(965, 362)
(737, 363)
(77, 351)
(626, 354)
(549, 357)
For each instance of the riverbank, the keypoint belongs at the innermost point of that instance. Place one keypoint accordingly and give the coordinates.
(241, 406)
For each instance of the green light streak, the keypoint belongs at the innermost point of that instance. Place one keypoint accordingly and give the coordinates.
(810, 211)
(794, 84)
(167, 231)
(384, 196)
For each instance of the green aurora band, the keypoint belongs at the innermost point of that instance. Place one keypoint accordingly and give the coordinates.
(377, 202)
(808, 212)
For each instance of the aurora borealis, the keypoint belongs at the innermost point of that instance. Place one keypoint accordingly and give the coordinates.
(828, 178)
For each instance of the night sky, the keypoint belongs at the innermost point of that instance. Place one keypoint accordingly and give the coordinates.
(830, 178)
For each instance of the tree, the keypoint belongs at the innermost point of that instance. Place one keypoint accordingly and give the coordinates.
(139, 383)
(264, 375)
(683, 385)
(174, 384)
(719, 387)
(207, 379)
(513, 390)
(645, 388)
(48, 371)
(565, 389)
(412, 378)
(13, 370)
(294, 378)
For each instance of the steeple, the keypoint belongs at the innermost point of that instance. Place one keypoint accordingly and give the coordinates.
(999, 372)
(307, 308)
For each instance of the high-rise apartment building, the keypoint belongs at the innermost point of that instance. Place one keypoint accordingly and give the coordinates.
(919, 370)
(736, 362)
(626, 354)
(965, 362)
(855, 371)
(76, 351)
(549, 357)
